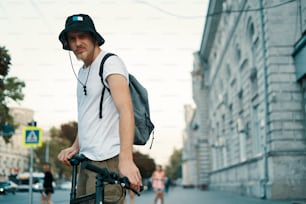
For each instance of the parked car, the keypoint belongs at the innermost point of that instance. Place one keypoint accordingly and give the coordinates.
(23, 181)
(8, 187)
(66, 185)
(38, 186)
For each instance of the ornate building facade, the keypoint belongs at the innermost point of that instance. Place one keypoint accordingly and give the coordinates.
(14, 157)
(250, 71)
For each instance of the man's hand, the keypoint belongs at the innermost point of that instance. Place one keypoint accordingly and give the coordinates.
(66, 154)
(129, 169)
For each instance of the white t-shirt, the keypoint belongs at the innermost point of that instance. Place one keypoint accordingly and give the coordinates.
(98, 138)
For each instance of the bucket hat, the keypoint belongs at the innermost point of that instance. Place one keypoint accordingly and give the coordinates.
(79, 22)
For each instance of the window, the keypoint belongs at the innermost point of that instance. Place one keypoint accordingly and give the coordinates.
(242, 144)
(251, 31)
(255, 131)
(254, 81)
(240, 100)
(237, 53)
(228, 72)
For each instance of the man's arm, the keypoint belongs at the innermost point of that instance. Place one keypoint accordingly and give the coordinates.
(121, 96)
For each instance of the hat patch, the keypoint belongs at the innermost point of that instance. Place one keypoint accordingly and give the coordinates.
(77, 18)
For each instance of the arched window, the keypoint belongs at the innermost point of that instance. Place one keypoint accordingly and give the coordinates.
(250, 31)
(251, 40)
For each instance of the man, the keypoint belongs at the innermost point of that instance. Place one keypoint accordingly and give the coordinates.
(106, 141)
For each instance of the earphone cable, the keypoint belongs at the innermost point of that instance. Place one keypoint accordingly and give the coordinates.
(83, 84)
(74, 70)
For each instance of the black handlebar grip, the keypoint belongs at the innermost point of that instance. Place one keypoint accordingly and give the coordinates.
(76, 159)
(91, 167)
(127, 185)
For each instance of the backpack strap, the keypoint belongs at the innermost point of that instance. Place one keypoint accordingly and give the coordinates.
(101, 76)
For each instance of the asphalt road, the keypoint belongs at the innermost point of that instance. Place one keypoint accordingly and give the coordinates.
(176, 195)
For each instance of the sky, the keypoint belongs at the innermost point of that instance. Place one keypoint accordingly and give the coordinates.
(155, 39)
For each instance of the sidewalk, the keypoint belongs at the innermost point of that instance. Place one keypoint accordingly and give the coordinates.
(180, 195)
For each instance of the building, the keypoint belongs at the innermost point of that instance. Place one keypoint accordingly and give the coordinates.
(14, 157)
(251, 73)
(196, 148)
(189, 160)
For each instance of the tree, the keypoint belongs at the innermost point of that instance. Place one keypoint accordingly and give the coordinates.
(60, 139)
(64, 137)
(145, 164)
(69, 131)
(10, 89)
(174, 168)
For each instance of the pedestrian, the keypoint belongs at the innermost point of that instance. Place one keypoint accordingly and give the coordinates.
(131, 196)
(107, 141)
(158, 183)
(167, 184)
(47, 185)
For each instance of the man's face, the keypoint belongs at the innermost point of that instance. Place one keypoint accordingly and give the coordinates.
(82, 44)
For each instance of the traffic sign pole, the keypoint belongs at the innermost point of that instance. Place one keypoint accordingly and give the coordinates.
(32, 137)
(31, 178)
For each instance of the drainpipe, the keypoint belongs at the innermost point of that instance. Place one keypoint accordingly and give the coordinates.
(265, 180)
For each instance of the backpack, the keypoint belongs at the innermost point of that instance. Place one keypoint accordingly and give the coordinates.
(143, 124)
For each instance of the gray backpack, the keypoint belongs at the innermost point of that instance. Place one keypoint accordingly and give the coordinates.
(143, 124)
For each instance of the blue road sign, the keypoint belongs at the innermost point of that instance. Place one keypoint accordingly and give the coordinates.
(32, 136)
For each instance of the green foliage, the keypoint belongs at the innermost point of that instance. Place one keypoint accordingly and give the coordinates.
(69, 131)
(10, 89)
(60, 139)
(145, 164)
(174, 168)
(63, 137)
(5, 61)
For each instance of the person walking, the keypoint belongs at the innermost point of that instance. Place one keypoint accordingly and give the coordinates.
(158, 183)
(132, 197)
(107, 141)
(47, 185)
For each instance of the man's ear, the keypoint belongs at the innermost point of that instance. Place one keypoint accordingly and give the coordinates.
(66, 44)
(94, 40)
(96, 43)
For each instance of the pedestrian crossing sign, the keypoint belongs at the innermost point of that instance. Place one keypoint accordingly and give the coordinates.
(32, 136)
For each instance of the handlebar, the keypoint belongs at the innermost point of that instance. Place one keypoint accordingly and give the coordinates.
(76, 159)
(108, 177)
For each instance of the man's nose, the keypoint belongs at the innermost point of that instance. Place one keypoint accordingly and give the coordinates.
(77, 41)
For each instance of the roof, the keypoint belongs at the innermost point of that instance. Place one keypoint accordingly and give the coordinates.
(212, 21)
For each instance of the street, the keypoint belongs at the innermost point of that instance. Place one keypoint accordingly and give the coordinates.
(176, 195)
